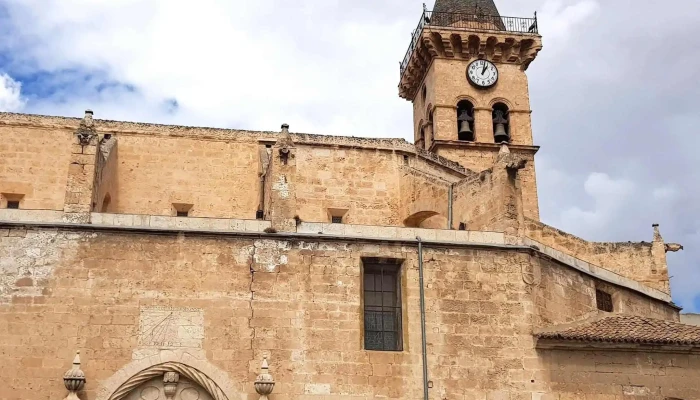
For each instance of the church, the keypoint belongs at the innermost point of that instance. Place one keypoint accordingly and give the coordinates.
(144, 261)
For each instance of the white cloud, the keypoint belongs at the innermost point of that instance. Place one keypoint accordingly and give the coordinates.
(226, 63)
(10, 94)
(609, 196)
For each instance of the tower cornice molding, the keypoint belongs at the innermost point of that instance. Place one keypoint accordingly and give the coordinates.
(495, 147)
(454, 107)
(465, 44)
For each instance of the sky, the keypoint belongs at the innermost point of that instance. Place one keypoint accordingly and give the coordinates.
(614, 92)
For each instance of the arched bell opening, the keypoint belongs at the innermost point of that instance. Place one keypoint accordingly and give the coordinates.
(429, 129)
(501, 123)
(465, 121)
(420, 143)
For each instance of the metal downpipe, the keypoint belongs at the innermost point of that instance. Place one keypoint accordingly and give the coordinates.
(422, 318)
(449, 206)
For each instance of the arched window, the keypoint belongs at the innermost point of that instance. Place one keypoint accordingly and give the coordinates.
(501, 123)
(465, 121)
(421, 138)
(429, 130)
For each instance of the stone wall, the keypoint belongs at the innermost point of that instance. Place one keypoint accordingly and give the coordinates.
(34, 163)
(481, 158)
(218, 178)
(365, 183)
(618, 375)
(564, 295)
(124, 296)
(633, 260)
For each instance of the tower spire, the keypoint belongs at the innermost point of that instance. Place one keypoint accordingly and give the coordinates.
(484, 7)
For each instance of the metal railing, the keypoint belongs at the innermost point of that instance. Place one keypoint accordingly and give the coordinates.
(467, 21)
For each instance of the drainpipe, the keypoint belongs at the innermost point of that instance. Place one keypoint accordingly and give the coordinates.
(422, 318)
(449, 206)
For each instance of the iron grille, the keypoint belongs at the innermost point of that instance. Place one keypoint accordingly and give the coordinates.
(13, 204)
(466, 21)
(382, 308)
(337, 220)
(604, 301)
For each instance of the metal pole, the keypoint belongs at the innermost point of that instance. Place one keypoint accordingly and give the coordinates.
(422, 318)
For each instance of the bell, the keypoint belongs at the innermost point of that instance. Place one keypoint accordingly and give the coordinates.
(501, 135)
(465, 131)
(499, 119)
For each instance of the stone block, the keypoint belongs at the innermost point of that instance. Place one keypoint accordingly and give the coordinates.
(237, 225)
(310, 227)
(442, 235)
(426, 234)
(159, 221)
(333, 229)
(220, 224)
(462, 236)
(123, 220)
(141, 220)
(252, 225)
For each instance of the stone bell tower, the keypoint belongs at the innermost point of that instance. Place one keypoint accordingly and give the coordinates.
(464, 72)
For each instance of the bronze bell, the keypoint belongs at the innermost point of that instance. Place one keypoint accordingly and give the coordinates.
(500, 135)
(465, 130)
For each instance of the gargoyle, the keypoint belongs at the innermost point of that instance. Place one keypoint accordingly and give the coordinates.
(673, 247)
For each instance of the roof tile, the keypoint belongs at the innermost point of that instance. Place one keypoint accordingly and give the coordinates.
(628, 329)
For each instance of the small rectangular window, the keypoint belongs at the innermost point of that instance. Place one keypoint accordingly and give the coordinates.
(259, 214)
(337, 220)
(14, 204)
(382, 307)
(182, 213)
(603, 301)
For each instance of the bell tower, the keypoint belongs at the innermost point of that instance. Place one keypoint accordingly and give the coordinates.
(464, 72)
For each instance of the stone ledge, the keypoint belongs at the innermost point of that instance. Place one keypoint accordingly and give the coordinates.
(597, 272)
(392, 232)
(188, 223)
(31, 215)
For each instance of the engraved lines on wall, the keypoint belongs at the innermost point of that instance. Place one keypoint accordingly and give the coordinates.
(171, 327)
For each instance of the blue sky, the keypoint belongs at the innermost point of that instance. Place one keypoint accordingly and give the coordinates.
(613, 92)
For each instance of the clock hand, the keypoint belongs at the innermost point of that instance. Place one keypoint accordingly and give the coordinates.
(484, 69)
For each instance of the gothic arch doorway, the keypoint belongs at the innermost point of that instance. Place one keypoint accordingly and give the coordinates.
(159, 389)
(186, 377)
(169, 380)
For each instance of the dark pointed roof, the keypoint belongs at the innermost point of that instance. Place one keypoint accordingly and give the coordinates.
(487, 7)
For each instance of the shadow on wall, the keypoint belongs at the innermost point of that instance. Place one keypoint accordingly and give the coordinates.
(426, 219)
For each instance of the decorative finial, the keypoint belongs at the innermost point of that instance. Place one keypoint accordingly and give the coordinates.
(74, 379)
(285, 144)
(657, 234)
(86, 131)
(264, 383)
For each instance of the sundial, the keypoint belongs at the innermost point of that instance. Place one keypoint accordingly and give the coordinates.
(171, 327)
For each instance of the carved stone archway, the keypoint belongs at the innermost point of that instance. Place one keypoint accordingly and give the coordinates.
(191, 368)
(163, 370)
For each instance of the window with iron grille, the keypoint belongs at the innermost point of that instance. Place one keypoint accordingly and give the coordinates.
(13, 204)
(337, 220)
(604, 301)
(382, 307)
(182, 213)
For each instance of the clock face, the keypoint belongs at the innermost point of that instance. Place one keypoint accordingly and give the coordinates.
(482, 73)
